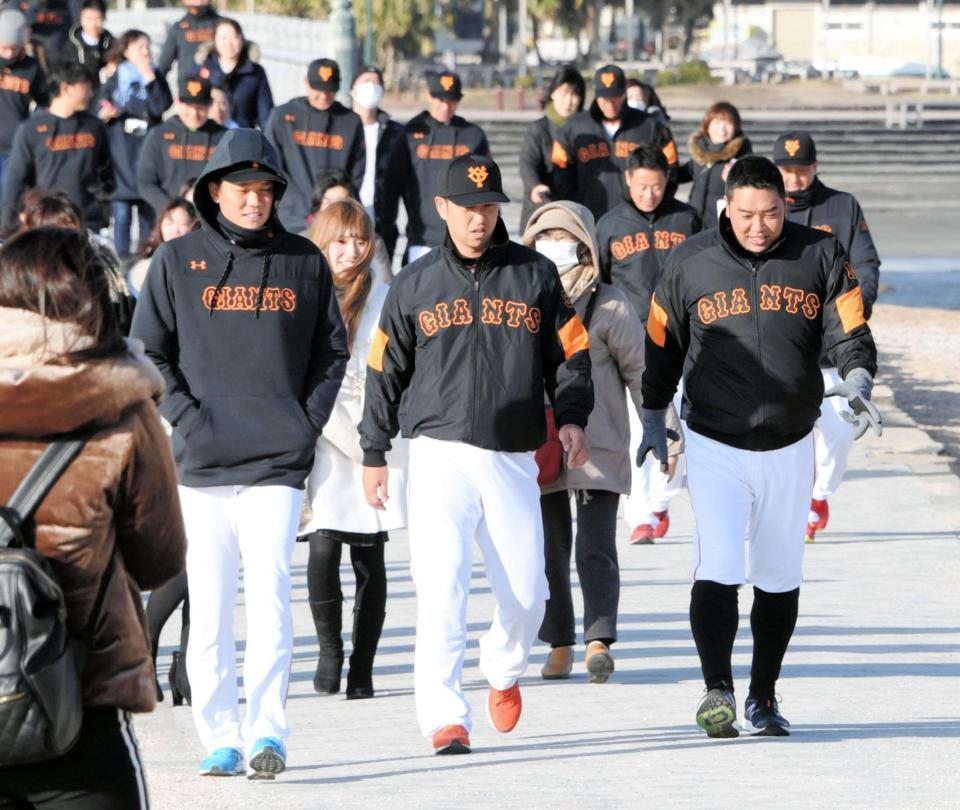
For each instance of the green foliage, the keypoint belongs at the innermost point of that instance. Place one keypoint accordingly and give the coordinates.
(693, 72)
(401, 28)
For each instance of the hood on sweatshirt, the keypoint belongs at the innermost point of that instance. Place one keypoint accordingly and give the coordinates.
(576, 220)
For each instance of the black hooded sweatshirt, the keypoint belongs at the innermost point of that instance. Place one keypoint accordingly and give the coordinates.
(633, 246)
(746, 329)
(173, 156)
(184, 38)
(70, 154)
(419, 163)
(21, 81)
(249, 340)
(308, 140)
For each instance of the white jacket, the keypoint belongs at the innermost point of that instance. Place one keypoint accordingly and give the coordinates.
(335, 485)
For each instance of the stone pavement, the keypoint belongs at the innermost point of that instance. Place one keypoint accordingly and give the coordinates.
(869, 683)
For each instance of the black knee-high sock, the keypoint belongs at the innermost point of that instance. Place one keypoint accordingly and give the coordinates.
(714, 616)
(772, 620)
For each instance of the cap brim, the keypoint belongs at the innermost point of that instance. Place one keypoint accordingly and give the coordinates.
(479, 198)
(251, 175)
(609, 92)
(445, 95)
(325, 87)
(794, 161)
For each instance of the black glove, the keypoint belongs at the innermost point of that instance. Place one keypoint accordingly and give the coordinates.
(655, 435)
(856, 388)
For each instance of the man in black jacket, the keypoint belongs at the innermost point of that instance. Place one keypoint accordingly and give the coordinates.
(633, 241)
(594, 146)
(811, 203)
(380, 135)
(21, 81)
(312, 133)
(431, 140)
(471, 335)
(175, 152)
(87, 43)
(743, 312)
(63, 147)
(185, 36)
(242, 320)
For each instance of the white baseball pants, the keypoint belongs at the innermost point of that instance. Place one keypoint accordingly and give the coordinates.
(834, 439)
(225, 525)
(738, 494)
(458, 493)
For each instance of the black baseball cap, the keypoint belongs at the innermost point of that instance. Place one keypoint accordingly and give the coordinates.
(324, 75)
(609, 81)
(255, 171)
(795, 149)
(445, 85)
(195, 90)
(473, 180)
(367, 69)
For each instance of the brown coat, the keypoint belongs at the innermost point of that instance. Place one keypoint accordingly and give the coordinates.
(119, 493)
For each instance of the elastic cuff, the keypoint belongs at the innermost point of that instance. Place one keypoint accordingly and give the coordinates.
(374, 458)
(577, 418)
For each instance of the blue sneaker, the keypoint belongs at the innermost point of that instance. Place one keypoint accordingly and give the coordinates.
(222, 762)
(762, 718)
(268, 757)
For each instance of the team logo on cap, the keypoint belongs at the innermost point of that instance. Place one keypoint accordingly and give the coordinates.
(325, 72)
(194, 88)
(792, 146)
(607, 79)
(446, 82)
(478, 175)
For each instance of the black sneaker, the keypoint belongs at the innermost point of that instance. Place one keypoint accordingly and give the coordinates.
(717, 713)
(762, 718)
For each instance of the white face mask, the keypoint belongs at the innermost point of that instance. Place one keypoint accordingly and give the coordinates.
(562, 254)
(637, 104)
(369, 95)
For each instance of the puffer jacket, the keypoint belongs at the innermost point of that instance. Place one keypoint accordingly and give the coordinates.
(705, 170)
(119, 494)
(616, 358)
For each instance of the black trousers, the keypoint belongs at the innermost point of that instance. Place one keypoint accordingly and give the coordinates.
(597, 566)
(102, 771)
(323, 569)
(162, 603)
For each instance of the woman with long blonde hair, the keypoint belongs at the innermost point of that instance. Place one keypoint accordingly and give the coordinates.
(341, 515)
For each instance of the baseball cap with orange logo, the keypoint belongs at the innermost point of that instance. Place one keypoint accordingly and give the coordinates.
(795, 149)
(195, 90)
(473, 180)
(324, 75)
(445, 86)
(609, 82)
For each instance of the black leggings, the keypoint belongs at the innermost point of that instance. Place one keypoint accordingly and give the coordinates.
(162, 603)
(323, 571)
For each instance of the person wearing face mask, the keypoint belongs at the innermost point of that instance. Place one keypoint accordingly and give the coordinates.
(713, 147)
(419, 161)
(641, 96)
(21, 81)
(562, 232)
(341, 515)
(811, 203)
(312, 133)
(591, 152)
(564, 97)
(633, 242)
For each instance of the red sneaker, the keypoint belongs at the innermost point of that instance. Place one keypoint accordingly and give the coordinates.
(817, 519)
(663, 525)
(504, 707)
(451, 740)
(642, 535)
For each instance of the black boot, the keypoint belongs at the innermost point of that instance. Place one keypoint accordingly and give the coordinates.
(179, 683)
(328, 620)
(366, 636)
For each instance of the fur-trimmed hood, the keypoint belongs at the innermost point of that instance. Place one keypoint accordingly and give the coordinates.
(701, 152)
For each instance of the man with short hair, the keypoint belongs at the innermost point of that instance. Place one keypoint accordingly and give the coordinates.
(594, 146)
(431, 140)
(633, 242)
(811, 203)
(21, 81)
(471, 336)
(242, 320)
(88, 43)
(380, 135)
(64, 148)
(175, 152)
(312, 133)
(185, 36)
(743, 311)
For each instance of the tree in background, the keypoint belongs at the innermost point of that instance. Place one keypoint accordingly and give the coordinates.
(401, 29)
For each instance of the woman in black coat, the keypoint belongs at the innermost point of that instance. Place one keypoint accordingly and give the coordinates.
(719, 141)
(130, 102)
(228, 65)
(564, 98)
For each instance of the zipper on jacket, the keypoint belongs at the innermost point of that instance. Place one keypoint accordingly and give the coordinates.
(475, 351)
(755, 266)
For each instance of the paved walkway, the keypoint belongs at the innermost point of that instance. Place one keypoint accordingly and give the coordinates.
(870, 684)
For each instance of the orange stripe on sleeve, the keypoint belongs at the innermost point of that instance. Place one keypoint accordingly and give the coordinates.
(380, 340)
(670, 152)
(559, 155)
(573, 337)
(850, 309)
(657, 323)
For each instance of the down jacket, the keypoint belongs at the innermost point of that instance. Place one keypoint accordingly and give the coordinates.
(119, 494)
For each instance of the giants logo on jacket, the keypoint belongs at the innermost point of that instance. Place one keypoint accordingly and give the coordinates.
(14, 83)
(773, 298)
(441, 151)
(197, 152)
(244, 299)
(319, 140)
(66, 143)
(640, 242)
(495, 312)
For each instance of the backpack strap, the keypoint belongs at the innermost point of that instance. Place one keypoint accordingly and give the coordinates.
(36, 485)
(591, 303)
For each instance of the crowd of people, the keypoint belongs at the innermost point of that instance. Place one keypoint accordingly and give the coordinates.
(255, 375)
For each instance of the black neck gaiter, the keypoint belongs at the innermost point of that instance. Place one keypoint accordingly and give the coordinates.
(245, 237)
